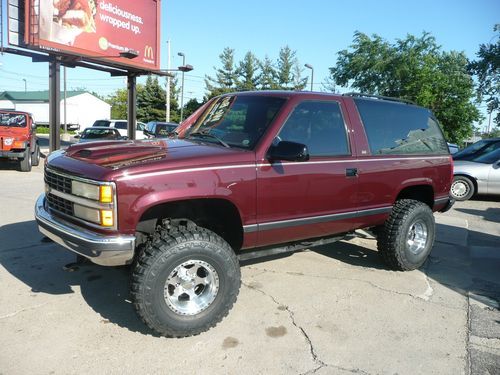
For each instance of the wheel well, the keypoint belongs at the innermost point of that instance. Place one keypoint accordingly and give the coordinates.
(217, 215)
(422, 193)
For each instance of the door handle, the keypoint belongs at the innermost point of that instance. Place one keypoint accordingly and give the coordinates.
(351, 172)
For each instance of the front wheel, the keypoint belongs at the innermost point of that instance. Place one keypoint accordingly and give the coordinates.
(185, 281)
(405, 240)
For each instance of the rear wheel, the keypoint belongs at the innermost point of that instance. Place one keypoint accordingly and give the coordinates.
(405, 240)
(35, 156)
(25, 164)
(462, 188)
(185, 280)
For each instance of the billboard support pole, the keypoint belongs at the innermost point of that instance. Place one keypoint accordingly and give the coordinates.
(132, 108)
(54, 104)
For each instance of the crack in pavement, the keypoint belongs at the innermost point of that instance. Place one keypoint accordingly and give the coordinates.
(291, 315)
(312, 351)
(421, 297)
(22, 310)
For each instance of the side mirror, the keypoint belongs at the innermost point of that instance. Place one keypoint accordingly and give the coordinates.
(496, 164)
(124, 138)
(76, 136)
(289, 151)
(33, 126)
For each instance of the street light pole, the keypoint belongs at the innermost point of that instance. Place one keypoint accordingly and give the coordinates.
(309, 66)
(182, 85)
(167, 101)
(25, 85)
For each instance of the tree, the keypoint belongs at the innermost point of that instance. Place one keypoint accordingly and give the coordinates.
(413, 68)
(267, 78)
(286, 62)
(151, 101)
(191, 106)
(487, 71)
(225, 77)
(119, 104)
(248, 76)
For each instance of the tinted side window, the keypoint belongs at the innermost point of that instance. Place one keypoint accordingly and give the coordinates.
(101, 123)
(318, 125)
(121, 125)
(396, 128)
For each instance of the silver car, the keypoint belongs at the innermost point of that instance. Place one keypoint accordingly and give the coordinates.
(480, 175)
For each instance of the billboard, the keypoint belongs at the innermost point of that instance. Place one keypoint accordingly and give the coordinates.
(97, 29)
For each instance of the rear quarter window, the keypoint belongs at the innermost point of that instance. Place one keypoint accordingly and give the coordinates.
(121, 125)
(398, 128)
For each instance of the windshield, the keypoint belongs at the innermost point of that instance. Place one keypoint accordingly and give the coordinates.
(489, 158)
(101, 123)
(98, 133)
(14, 120)
(236, 121)
(473, 148)
(164, 130)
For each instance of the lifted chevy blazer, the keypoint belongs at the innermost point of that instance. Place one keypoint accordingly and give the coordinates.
(249, 173)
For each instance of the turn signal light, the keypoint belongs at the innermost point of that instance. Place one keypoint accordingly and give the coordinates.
(106, 194)
(107, 218)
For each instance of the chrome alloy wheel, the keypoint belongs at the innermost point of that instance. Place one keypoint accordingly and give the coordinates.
(416, 238)
(191, 287)
(459, 189)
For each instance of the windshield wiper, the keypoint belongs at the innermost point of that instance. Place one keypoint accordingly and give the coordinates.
(205, 134)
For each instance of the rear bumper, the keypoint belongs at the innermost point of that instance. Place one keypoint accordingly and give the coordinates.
(100, 249)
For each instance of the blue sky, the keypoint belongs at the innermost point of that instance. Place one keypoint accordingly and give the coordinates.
(316, 29)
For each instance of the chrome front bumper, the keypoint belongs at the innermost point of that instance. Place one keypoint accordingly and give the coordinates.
(100, 249)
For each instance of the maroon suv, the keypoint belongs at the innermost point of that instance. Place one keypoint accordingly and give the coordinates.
(250, 173)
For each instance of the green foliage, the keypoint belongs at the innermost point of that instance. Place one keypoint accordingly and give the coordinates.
(252, 74)
(225, 78)
(487, 71)
(413, 68)
(248, 76)
(191, 106)
(151, 101)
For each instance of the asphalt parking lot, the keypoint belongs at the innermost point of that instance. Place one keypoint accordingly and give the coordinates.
(335, 309)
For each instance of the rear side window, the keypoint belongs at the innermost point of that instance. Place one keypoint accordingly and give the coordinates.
(121, 125)
(396, 128)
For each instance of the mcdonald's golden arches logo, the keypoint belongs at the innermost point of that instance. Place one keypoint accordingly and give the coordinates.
(149, 53)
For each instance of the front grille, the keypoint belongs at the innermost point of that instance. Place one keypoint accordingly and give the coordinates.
(60, 204)
(57, 182)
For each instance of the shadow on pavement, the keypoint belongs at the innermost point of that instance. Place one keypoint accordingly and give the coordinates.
(106, 290)
(490, 214)
(40, 265)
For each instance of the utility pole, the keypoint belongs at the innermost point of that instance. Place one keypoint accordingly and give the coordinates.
(64, 84)
(167, 104)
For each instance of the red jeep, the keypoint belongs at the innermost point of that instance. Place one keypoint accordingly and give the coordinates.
(18, 140)
(250, 174)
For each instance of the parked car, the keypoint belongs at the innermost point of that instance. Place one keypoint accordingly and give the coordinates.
(121, 125)
(479, 148)
(480, 175)
(100, 133)
(18, 140)
(158, 129)
(251, 174)
(453, 148)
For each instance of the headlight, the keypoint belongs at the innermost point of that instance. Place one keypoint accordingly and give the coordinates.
(8, 141)
(85, 190)
(101, 193)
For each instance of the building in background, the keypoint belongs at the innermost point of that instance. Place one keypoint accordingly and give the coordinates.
(82, 108)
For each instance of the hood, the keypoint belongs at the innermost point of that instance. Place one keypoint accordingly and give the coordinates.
(109, 160)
